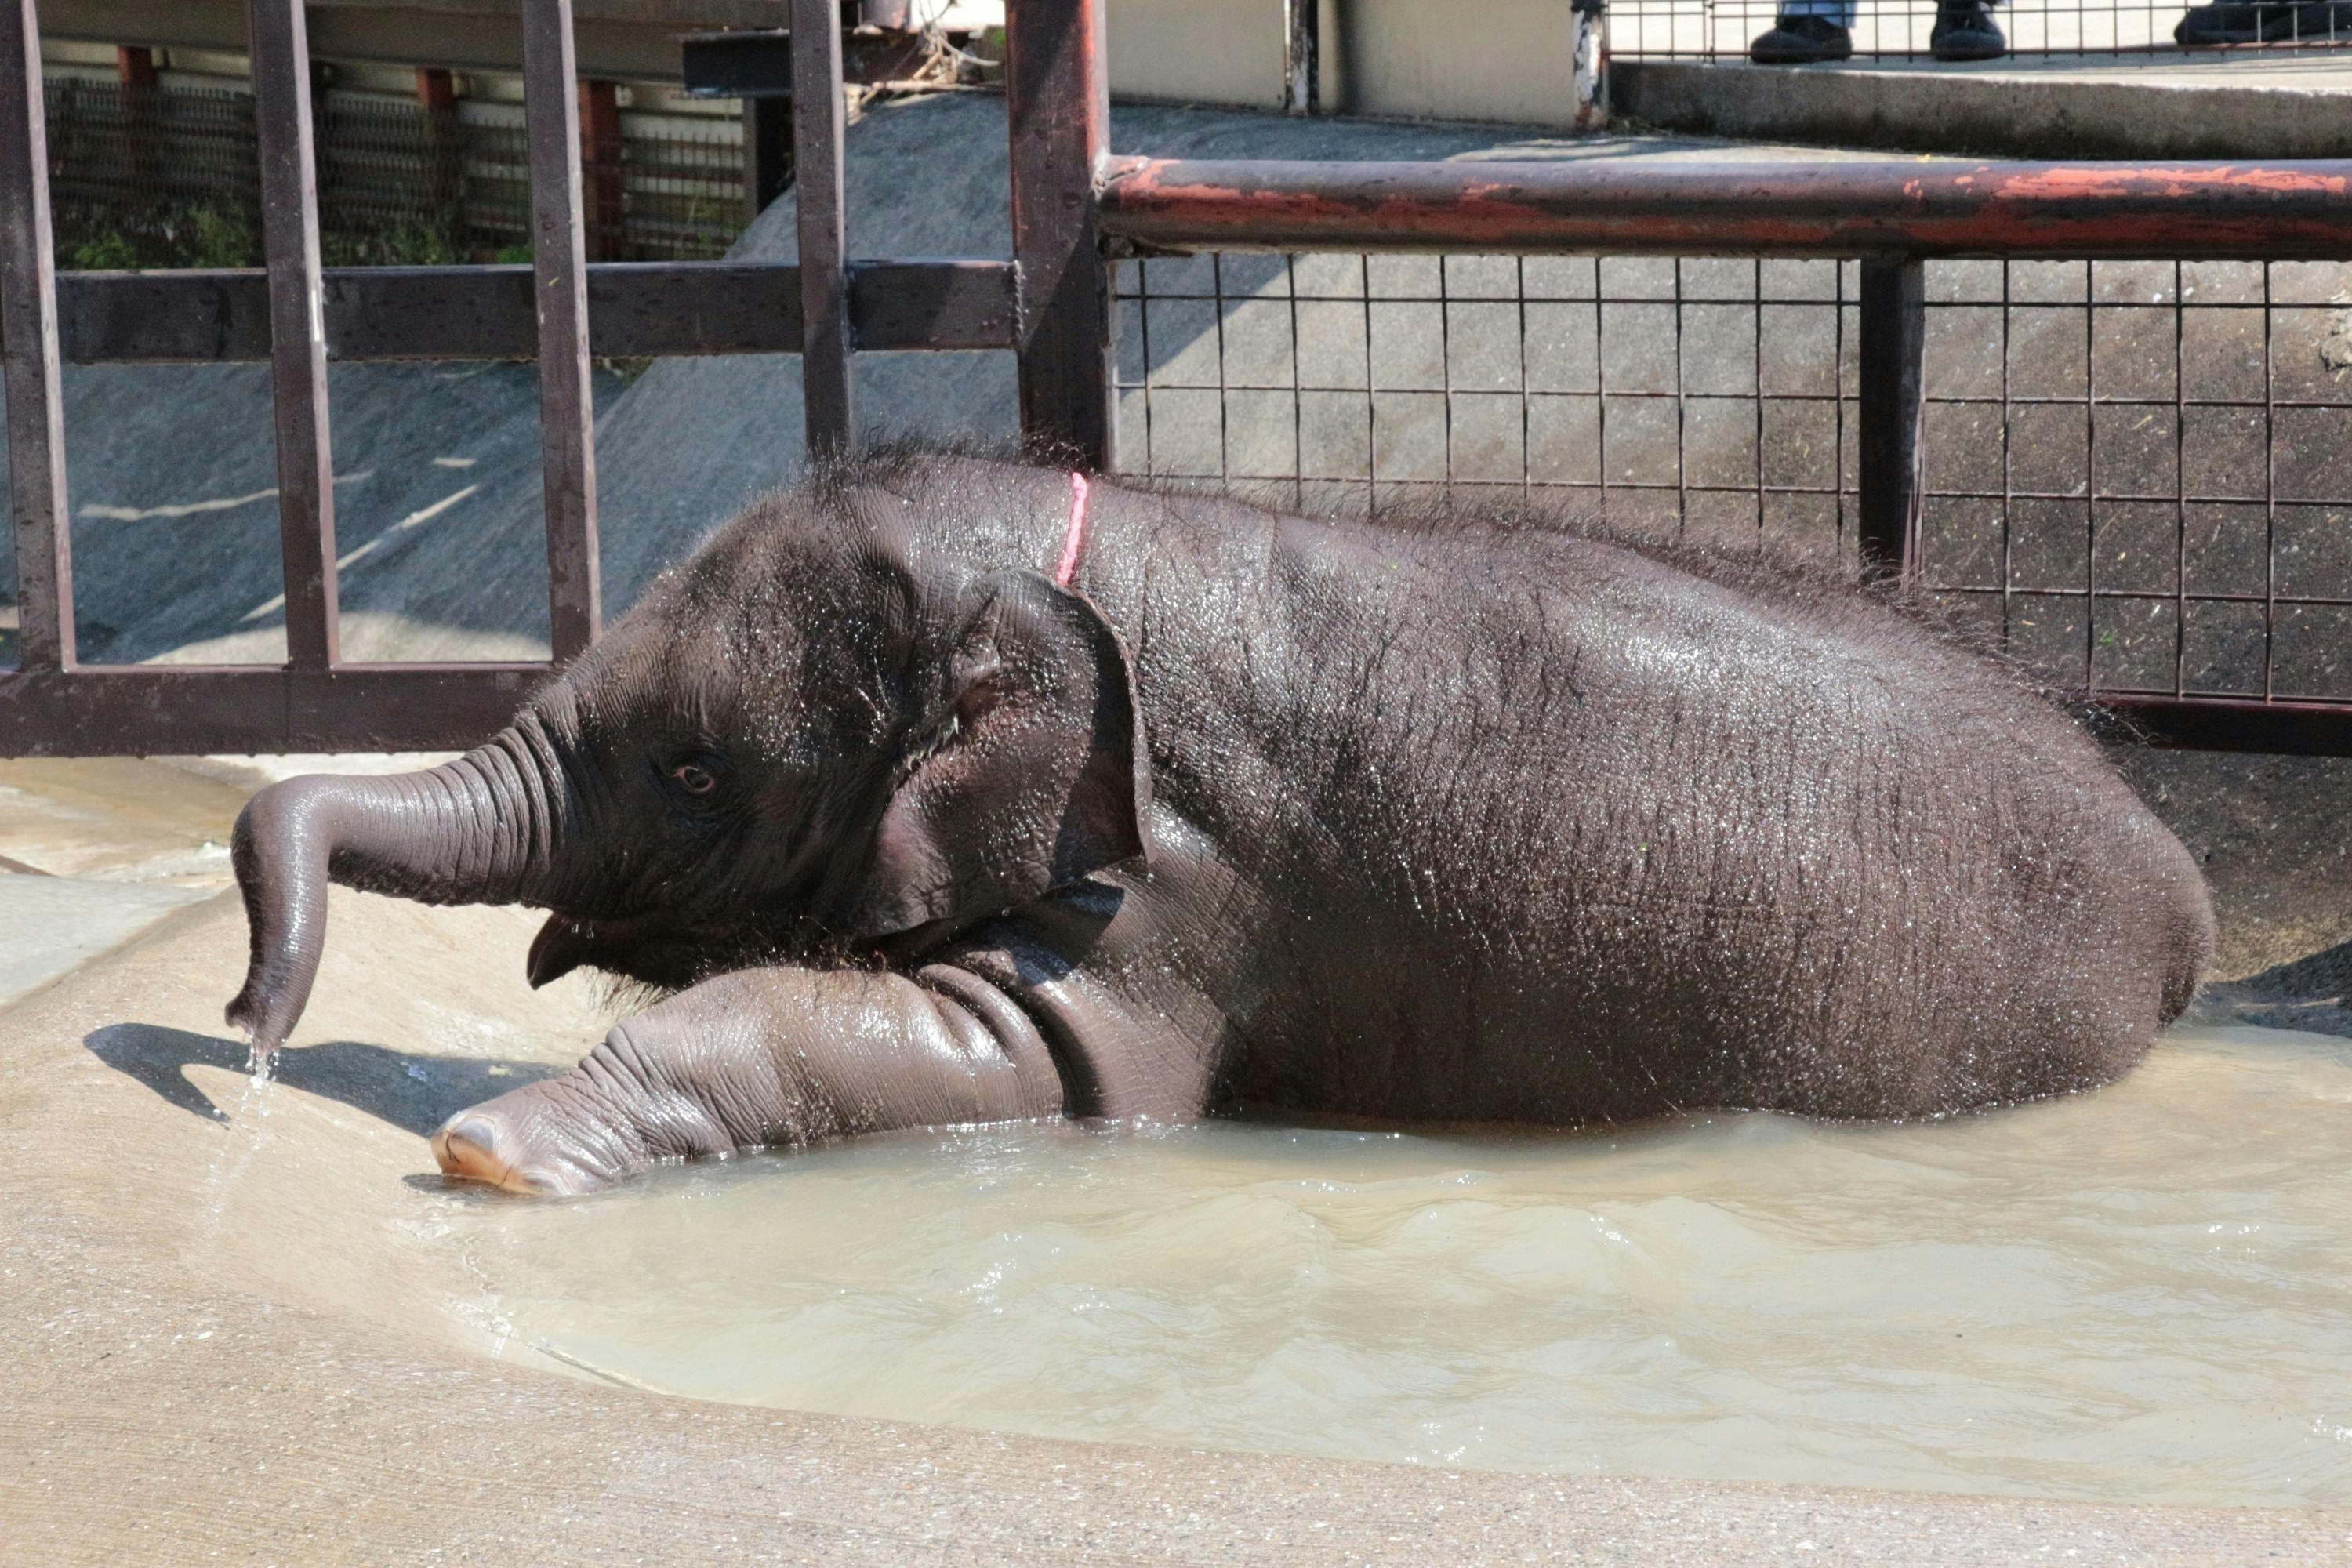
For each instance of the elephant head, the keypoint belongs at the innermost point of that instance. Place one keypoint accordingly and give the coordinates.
(816, 737)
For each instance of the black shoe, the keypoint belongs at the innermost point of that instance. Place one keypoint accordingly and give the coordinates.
(1965, 30)
(2262, 22)
(1801, 41)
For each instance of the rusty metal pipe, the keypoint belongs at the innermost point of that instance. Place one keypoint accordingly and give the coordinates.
(2299, 210)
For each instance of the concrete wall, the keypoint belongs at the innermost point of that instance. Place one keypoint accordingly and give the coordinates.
(1225, 52)
(1511, 61)
(1507, 60)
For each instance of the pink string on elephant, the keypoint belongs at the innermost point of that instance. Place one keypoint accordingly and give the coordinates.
(1073, 542)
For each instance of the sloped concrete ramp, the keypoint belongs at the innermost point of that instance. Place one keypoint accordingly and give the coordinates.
(172, 468)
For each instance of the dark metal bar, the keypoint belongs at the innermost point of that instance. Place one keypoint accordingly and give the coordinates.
(604, 216)
(444, 151)
(2091, 476)
(1057, 109)
(825, 392)
(147, 709)
(933, 305)
(2286, 211)
(2270, 490)
(741, 63)
(143, 104)
(634, 309)
(2008, 462)
(29, 303)
(1302, 73)
(2235, 724)
(297, 333)
(2180, 486)
(767, 152)
(134, 66)
(757, 62)
(135, 711)
(1892, 410)
(567, 415)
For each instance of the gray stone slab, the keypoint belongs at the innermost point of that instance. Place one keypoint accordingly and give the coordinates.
(50, 926)
(2185, 106)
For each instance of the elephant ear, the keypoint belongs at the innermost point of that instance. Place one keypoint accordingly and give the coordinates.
(1032, 773)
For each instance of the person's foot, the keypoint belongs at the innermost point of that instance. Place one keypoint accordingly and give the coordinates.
(1801, 41)
(2262, 22)
(1965, 30)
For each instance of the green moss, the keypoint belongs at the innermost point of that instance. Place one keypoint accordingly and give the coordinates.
(101, 253)
(393, 247)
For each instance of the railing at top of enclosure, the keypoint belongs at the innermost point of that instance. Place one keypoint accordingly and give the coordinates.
(1074, 209)
(2044, 29)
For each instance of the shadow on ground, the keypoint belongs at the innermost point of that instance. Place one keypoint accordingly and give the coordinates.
(413, 1092)
(2313, 992)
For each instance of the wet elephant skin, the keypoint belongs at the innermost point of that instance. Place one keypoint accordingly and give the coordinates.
(1467, 819)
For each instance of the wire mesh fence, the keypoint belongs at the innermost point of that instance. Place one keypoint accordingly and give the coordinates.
(679, 196)
(391, 183)
(150, 177)
(138, 176)
(2137, 474)
(1722, 29)
(684, 195)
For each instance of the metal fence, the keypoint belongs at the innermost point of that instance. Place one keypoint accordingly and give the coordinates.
(676, 197)
(2104, 429)
(137, 175)
(1899, 30)
(2138, 474)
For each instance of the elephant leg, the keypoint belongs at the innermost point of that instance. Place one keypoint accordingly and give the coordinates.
(757, 1059)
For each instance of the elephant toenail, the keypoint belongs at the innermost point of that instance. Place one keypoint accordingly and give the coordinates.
(467, 1146)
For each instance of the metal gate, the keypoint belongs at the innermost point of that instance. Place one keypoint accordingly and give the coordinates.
(1074, 210)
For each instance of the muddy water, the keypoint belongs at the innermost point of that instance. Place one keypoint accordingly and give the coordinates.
(2133, 1295)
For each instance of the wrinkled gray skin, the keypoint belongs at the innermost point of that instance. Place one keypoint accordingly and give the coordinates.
(1461, 823)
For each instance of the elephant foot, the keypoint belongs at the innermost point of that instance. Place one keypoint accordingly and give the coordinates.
(589, 1128)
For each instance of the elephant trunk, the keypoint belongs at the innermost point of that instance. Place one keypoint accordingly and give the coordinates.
(482, 829)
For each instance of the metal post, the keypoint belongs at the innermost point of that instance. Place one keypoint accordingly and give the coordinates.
(567, 415)
(1589, 20)
(606, 218)
(297, 336)
(767, 152)
(824, 242)
(1302, 73)
(1893, 330)
(444, 151)
(134, 69)
(28, 362)
(1057, 107)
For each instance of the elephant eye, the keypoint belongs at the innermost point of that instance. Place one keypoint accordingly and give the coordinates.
(694, 779)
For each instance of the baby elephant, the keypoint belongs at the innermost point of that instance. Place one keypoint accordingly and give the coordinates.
(949, 791)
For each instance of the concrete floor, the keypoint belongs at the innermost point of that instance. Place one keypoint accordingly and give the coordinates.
(96, 851)
(231, 1342)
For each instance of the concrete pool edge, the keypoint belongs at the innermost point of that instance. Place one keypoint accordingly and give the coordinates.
(178, 1390)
